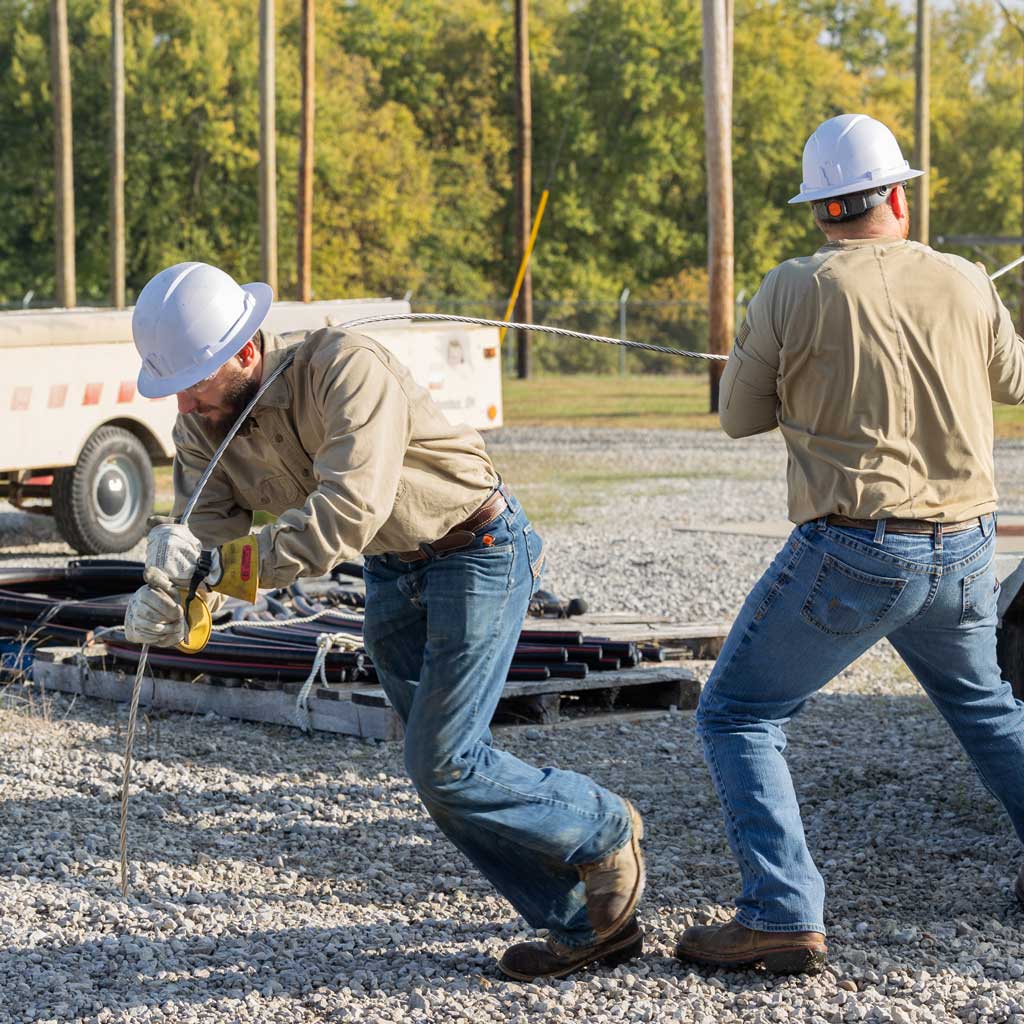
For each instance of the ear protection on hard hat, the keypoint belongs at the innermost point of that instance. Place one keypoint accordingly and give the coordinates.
(840, 208)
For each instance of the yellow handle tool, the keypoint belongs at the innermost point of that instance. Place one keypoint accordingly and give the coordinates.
(198, 623)
(198, 618)
(237, 576)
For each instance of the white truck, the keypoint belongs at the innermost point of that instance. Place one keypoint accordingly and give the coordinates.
(78, 441)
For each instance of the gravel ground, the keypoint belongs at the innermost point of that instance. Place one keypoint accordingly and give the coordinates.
(291, 878)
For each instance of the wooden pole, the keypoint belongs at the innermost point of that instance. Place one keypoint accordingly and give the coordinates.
(717, 19)
(117, 243)
(524, 157)
(1019, 29)
(922, 124)
(305, 218)
(268, 148)
(64, 185)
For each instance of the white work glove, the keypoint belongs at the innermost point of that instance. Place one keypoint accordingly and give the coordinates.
(175, 551)
(154, 615)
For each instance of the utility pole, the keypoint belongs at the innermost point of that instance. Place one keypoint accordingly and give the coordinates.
(117, 248)
(717, 19)
(268, 149)
(1019, 29)
(922, 124)
(524, 157)
(304, 263)
(64, 190)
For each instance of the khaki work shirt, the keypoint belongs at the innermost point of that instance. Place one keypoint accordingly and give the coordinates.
(879, 360)
(346, 449)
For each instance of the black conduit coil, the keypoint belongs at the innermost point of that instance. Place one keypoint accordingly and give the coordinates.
(68, 604)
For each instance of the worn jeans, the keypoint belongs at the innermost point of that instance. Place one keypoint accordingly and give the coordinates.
(830, 594)
(442, 634)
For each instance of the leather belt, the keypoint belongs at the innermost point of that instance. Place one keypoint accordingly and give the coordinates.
(462, 534)
(902, 525)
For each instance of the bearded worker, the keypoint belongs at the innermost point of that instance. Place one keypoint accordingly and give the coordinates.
(878, 359)
(353, 457)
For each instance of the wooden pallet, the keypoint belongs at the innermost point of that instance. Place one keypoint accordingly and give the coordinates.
(700, 640)
(654, 687)
(354, 709)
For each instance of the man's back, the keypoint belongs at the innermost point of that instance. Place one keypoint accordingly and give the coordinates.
(881, 358)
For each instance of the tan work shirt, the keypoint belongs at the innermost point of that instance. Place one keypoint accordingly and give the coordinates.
(878, 359)
(346, 449)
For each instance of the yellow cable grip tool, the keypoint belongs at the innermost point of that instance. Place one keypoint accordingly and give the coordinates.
(238, 576)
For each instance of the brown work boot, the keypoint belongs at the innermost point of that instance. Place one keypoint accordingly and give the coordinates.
(550, 959)
(613, 885)
(1019, 887)
(733, 945)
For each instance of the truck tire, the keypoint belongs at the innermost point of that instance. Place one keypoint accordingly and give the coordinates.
(101, 503)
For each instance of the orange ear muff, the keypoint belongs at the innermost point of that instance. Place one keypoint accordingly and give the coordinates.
(896, 203)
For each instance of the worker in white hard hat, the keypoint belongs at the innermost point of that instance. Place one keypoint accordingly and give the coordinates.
(878, 360)
(353, 457)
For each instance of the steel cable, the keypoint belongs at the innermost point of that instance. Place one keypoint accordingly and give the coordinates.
(133, 710)
(560, 332)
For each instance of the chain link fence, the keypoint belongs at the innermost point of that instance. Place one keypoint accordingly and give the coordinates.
(671, 323)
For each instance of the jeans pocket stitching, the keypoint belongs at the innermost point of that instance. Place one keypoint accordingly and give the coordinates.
(969, 610)
(983, 550)
(830, 564)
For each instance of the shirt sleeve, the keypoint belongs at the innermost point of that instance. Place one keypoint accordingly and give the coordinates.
(1006, 362)
(367, 428)
(748, 395)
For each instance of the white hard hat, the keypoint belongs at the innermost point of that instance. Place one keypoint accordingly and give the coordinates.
(189, 321)
(851, 153)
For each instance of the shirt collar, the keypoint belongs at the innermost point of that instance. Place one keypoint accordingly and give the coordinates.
(861, 243)
(279, 394)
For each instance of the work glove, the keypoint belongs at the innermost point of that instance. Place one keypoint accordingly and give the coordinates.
(231, 569)
(154, 615)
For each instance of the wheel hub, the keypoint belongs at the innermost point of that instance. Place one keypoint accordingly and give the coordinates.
(111, 492)
(117, 493)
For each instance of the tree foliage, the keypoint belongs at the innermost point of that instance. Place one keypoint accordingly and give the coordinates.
(415, 138)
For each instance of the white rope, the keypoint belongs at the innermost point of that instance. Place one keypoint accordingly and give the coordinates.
(273, 623)
(324, 643)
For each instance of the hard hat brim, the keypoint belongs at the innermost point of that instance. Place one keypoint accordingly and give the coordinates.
(815, 194)
(161, 387)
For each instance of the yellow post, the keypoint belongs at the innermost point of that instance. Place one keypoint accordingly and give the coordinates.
(526, 261)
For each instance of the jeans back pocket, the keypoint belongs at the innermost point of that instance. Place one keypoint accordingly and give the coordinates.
(847, 602)
(981, 595)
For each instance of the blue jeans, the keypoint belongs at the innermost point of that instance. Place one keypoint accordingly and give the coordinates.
(442, 634)
(830, 594)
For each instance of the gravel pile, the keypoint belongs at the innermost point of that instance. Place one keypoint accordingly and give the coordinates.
(289, 878)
